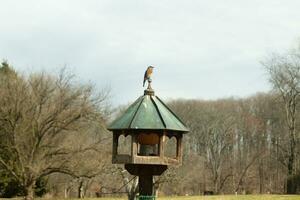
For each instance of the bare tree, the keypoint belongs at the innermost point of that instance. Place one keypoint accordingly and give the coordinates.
(219, 143)
(229, 136)
(168, 177)
(284, 75)
(46, 121)
(130, 183)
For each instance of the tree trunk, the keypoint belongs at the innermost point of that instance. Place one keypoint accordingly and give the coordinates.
(132, 193)
(291, 188)
(261, 177)
(80, 190)
(216, 186)
(29, 191)
(156, 188)
(131, 196)
(66, 193)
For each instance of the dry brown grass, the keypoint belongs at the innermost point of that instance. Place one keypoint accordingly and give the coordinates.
(216, 197)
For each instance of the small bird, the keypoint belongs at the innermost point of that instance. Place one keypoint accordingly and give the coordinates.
(148, 73)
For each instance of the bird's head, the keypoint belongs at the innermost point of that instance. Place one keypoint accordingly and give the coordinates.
(150, 67)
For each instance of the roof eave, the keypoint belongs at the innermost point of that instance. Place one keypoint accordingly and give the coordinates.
(163, 129)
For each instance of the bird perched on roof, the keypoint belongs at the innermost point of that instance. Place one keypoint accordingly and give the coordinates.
(147, 75)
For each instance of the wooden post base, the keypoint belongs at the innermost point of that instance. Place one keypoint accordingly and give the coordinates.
(146, 185)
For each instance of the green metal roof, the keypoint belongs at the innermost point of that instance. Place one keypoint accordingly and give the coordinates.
(148, 112)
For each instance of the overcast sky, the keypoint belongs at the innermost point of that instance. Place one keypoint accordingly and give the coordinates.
(201, 49)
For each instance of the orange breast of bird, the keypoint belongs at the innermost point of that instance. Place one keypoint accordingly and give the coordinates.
(149, 72)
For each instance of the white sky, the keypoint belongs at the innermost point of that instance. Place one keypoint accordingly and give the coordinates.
(201, 49)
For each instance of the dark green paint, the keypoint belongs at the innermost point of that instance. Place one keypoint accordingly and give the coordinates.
(148, 112)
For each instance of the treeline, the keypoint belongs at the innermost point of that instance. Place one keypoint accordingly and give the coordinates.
(53, 138)
(235, 146)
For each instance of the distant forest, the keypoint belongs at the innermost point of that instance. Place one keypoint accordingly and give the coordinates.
(54, 142)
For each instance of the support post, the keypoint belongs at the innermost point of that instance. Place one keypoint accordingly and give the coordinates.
(115, 146)
(161, 147)
(134, 147)
(146, 185)
(179, 148)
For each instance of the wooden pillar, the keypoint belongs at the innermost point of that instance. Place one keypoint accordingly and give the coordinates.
(146, 185)
(115, 145)
(161, 147)
(179, 148)
(134, 145)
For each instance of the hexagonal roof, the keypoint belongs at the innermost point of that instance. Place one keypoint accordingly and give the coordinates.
(148, 112)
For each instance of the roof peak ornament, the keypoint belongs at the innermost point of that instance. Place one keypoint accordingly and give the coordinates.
(147, 77)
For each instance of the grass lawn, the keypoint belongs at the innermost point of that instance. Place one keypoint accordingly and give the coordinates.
(216, 197)
(234, 197)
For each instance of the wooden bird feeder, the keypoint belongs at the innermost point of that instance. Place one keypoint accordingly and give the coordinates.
(148, 122)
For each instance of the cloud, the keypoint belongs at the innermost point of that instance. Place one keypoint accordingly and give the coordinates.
(205, 49)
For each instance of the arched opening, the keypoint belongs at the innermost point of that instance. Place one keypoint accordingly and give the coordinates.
(124, 145)
(171, 147)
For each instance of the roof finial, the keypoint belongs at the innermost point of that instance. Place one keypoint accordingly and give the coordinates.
(147, 76)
